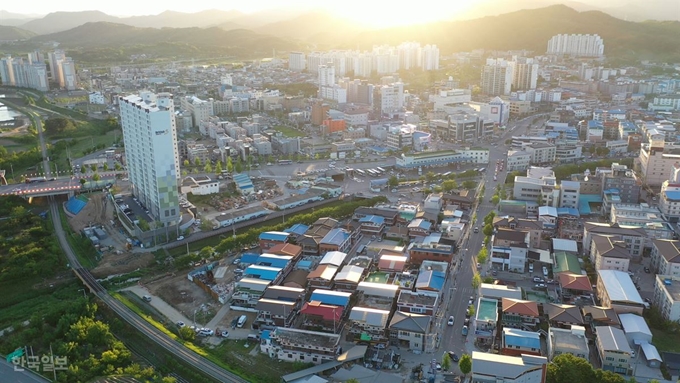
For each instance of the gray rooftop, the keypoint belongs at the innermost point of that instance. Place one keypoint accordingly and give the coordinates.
(619, 286)
(612, 338)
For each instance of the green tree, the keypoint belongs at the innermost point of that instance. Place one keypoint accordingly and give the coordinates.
(446, 361)
(83, 181)
(437, 189)
(184, 173)
(186, 163)
(465, 364)
(238, 167)
(117, 167)
(208, 167)
(106, 167)
(503, 194)
(488, 219)
(96, 177)
(393, 181)
(483, 255)
(218, 167)
(602, 376)
(488, 230)
(469, 184)
(352, 381)
(476, 281)
(143, 225)
(187, 334)
(197, 162)
(430, 176)
(230, 165)
(93, 167)
(566, 368)
(206, 252)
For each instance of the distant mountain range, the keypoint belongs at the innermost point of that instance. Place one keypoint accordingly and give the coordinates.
(525, 29)
(9, 33)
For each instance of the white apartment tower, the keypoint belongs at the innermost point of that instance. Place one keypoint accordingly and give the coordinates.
(392, 97)
(297, 61)
(19, 72)
(150, 138)
(497, 77)
(326, 75)
(576, 45)
(524, 74)
(68, 74)
(430, 58)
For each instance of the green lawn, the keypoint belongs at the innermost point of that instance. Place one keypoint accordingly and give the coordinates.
(666, 341)
(289, 132)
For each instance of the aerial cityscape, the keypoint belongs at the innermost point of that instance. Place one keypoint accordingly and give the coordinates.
(476, 192)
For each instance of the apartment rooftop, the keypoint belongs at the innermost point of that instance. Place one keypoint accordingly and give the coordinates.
(305, 338)
(487, 310)
(671, 284)
(573, 339)
(423, 299)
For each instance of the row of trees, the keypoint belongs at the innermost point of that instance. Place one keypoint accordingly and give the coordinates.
(483, 255)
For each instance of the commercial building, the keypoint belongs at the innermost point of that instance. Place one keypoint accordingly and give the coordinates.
(293, 345)
(151, 153)
(657, 158)
(613, 349)
(568, 341)
(666, 257)
(443, 157)
(616, 289)
(492, 368)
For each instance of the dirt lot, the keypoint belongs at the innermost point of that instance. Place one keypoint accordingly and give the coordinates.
(185, 296)
(113, 263)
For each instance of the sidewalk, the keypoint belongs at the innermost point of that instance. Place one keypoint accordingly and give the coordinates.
(163, 307)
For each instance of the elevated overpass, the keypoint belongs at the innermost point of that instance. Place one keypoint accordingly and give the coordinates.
(57, 186)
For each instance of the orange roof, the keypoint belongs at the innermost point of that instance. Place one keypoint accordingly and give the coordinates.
(516, 306)
(286, 249)
(574, 282)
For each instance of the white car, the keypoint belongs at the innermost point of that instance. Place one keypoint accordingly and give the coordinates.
(450, 321)
(180, 324)
(471, 301)
(180, 238)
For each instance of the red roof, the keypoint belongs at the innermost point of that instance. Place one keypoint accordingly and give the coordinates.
(575, 282)
(286, 249)
(322, 310)
(515, 306)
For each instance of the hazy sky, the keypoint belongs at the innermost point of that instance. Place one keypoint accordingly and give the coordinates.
(370, 11)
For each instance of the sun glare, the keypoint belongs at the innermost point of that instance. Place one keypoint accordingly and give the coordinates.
(397, 14)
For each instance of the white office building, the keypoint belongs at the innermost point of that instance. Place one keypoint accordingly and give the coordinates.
(576, 45)
(150, 138)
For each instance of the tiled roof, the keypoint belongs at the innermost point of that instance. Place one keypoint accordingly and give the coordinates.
(514, 306)
(575, 282)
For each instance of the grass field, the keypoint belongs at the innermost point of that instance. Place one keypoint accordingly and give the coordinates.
(85, 143)
(289, 132)
(666, 341)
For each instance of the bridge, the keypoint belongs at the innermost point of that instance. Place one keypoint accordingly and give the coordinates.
(41, 189)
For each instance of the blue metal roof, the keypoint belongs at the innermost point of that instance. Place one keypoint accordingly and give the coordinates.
(673, 195)
(374, 219)
(278, 236)
(249, 258)
(298, 229)
(273, 261)
(335, 298)
(263, 272)
(595, 124)
(516, 338)
(567, 211)
(336, 236)
(265, 334)
(431, 279)
(304, 265)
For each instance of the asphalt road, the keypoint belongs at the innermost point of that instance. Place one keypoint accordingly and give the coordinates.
(458, 288)
(7, 374)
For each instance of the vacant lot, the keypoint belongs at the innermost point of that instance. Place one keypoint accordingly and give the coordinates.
(288, 131)
(185, 296)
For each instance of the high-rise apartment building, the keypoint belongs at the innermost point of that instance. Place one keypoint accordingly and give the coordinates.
(19, 72)
(391, 97)
(430, 58)
(297, 61)
(150, 138)
(524, 73)
(497, 77)
(62, 70)
(576, 45)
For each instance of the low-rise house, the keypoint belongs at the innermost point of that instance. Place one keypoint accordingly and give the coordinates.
(666, 257)
(431, 281)
(494, 368)
(498, 292)
(419, 228)
(563, 316)
(321, 317)
(613, 349)
(510, 249)
(388, 214)
(609, 253)
(337, 239)
(392, 263)
(397, 233)
(248, 291)
(348, 278)
(269, 239)
(370, 322)
(600, 316)
(519, 314)
(410, 331)
(565, 262)
(533, 227)
(296, 278)
(486, 320)
(287, 249)
(417, 303)
(568, 341)
(616, 289)
(430, 248)
(574, 285)
(322, 277)
(294, 345)
(275, 313)
(517, 342)
(372, 225)
(334, 258)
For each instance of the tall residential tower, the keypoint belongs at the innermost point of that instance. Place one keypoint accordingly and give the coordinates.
(150, 138)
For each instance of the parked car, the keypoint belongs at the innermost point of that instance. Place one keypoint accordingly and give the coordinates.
(180, 324)
(180, 238)
(454, 358)
(464, 331)
(538, 280)
(236, 261)
(147, 298)
(224, 334)
(450, 322)
(471, 300)
(647, 270)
